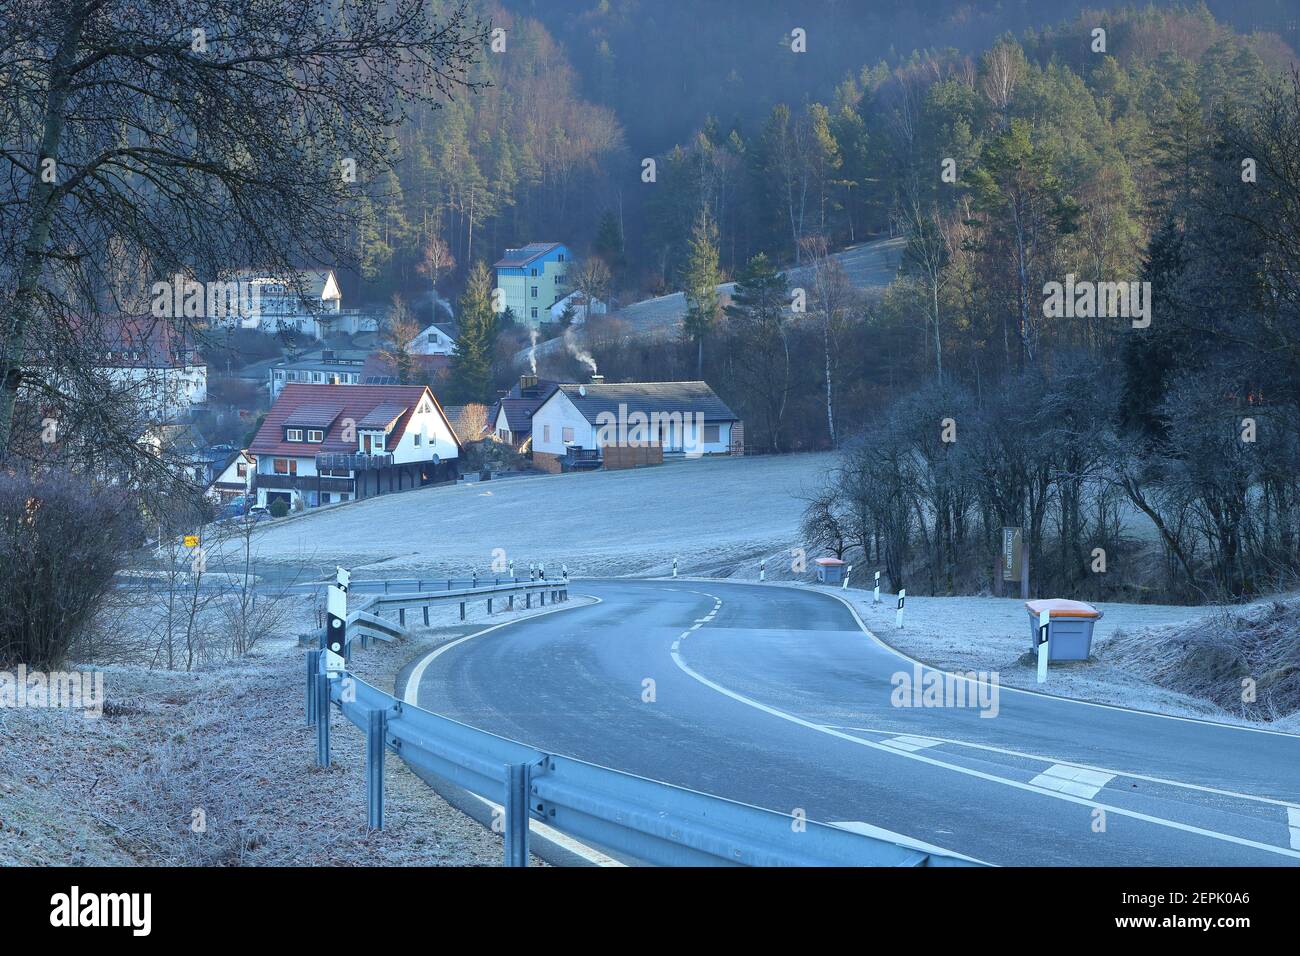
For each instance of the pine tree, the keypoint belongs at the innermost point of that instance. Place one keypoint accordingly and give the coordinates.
(702, 278)
(471, 362)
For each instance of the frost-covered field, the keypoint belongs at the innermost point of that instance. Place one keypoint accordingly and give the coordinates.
(992, 634)
(715, 515)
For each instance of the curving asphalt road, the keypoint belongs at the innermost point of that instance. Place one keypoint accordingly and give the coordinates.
(776, 696)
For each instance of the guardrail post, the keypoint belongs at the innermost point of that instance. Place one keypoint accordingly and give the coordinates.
(516, 807)
(541, 597)
(512, 603)
(401, 616)
(489, 605)
(426, 615)
(376, 731)
(462, 610)
(322, 720)
(528, 599)
(313, 668)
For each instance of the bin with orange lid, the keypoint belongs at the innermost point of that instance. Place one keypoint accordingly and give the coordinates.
(1069, 628)
(829, 570)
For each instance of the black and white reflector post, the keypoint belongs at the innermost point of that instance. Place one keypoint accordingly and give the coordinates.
(875, 594)
(336, 627)
(902, 599)
(342, 578)
(1044, 646)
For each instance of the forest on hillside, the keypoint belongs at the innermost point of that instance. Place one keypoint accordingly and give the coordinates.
(1154, 146)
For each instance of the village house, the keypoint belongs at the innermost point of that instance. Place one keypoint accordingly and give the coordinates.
(307, 301)
(582, 305)
(152, 364)
(321, 444)
(235, 479)
(328, 367)
(532, 279)
(511, 418)
(435, 340)
(628, 425)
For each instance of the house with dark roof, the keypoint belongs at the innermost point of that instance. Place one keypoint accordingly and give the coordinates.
(511, 418)
(532, 279)
(629, 424)
(321, 444)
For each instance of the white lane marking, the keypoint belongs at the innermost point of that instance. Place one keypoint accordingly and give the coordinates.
(909, 743)
(1021, 690)
(992, 778)
(1110, 770)
(880, 833)
(412, 697)
(590, 854)
(1293, 821)
(1076, 780)
(412, 693)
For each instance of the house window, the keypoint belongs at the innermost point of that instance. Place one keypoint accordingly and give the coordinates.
(315, 434)
(546, 433)
(711, 434)
(534, 312)
(286, 466)
(241, 470)
(533, 272)
(293, 434)
(419, 439)
(560, 258)
(567, 435)
(534, 291)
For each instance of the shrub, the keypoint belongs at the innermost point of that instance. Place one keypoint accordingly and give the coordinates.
(279, 508)
(61, 542)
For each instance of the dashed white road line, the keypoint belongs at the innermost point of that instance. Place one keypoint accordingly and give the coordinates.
(980, 774)
(1146, 778)
(1066, 779)
(909, 743)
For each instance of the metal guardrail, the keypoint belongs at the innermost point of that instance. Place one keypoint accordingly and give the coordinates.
(622, 813)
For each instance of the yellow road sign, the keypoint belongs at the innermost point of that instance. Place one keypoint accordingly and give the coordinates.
(191, 541)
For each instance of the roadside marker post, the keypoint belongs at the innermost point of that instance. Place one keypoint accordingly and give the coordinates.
(1044, 646)
(334, 641)
(902, 599)
(512, 569)
(342, 578)
(875, 594)
(847, 574)
(674, 567)
(762, 570)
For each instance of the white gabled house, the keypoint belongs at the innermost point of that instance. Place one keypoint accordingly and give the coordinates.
(579, 425)
(235, 479)
(321, 444)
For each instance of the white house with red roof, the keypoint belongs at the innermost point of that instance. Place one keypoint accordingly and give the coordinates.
(321, 444)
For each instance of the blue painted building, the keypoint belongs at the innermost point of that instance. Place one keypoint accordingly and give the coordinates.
(532, 279)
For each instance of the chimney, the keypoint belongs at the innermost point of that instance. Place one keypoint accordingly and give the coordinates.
(526, 384)
(597, 379)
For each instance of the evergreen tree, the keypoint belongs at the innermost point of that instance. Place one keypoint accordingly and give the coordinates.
(471, 361)
(700, 286)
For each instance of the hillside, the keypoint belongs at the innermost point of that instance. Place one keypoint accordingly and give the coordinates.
(712, 515)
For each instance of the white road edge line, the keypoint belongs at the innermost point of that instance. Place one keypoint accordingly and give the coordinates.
(411, 695)
(1016, 784)
(1074, 763)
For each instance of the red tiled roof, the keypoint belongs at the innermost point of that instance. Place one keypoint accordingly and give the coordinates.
(355, 403)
